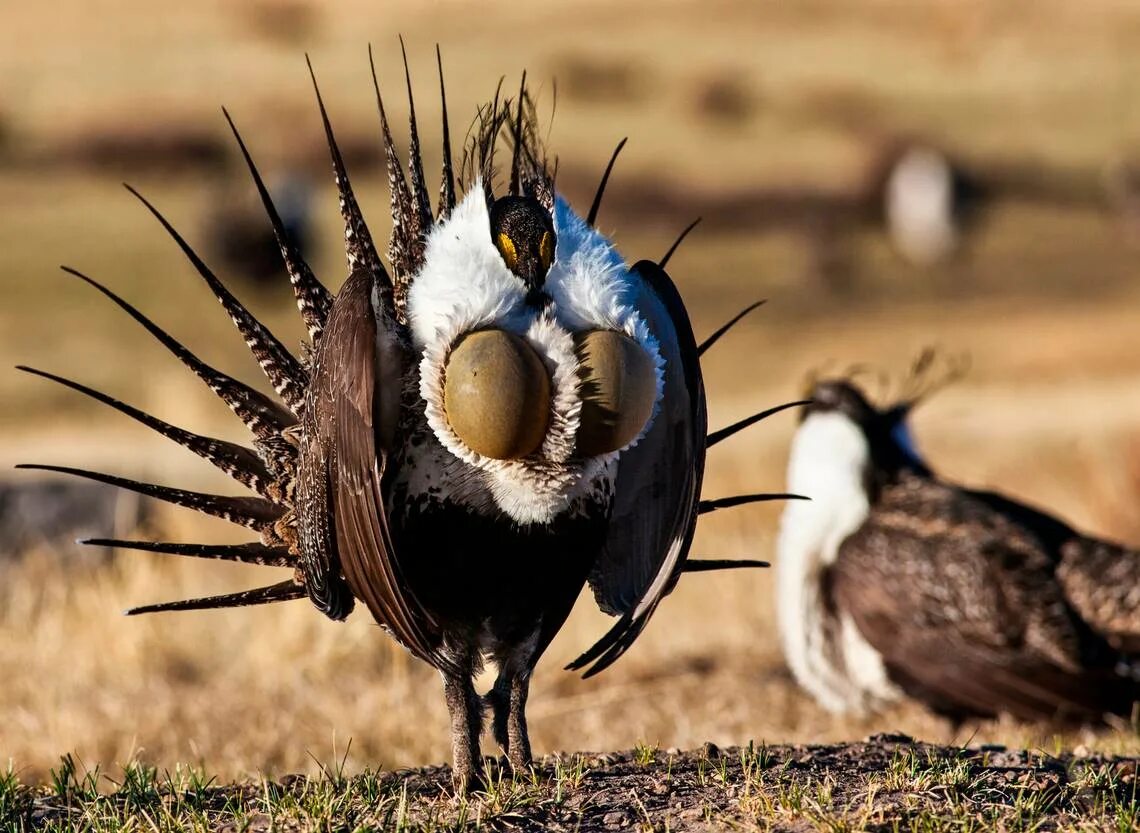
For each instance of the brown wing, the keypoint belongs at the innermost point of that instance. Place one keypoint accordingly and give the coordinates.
(964, 608)
(1102, 581)
(658, 483)
(341, 468)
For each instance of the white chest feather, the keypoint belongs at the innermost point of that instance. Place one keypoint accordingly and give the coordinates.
(826, 653)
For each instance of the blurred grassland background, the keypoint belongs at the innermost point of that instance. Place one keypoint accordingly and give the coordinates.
(765, 107)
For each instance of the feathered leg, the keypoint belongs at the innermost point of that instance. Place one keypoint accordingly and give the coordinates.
(508, 704)
(466, 725)
(517, 733)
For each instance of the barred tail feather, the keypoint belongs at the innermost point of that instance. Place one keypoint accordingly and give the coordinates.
(265, 418)
(405, 248)
(313, 299)
(416, 178)
(252, 553)
(253, 512)
(447, 177)
(281, 367)
(281, 592)
(360, 249)
(240, 463)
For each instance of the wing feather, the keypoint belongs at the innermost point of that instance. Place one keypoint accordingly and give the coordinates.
(658, 483)
(962, 604)
(345, 468)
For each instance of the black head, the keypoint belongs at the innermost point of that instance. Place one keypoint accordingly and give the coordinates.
(885, 428)
(523, 232)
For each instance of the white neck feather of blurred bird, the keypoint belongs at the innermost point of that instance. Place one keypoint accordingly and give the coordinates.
(464, 285)
(828, 463)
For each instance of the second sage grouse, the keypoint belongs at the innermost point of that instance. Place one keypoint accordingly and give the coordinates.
(892, 581)
(503, 413)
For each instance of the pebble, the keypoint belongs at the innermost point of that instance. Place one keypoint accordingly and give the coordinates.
(614, 818)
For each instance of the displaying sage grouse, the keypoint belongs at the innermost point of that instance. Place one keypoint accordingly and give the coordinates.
(503, 413)
(892, 581)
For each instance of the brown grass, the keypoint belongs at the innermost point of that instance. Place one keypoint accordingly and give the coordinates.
(1047, 304)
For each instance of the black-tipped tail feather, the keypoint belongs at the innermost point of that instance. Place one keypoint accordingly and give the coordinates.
(706, 506)
(281, 367)
(715, 437)
(708, 565)
(313, 299)
(253, 512)
(265, 418)
(240, 463)
(728, 325)
(251, 553)
(281, 592)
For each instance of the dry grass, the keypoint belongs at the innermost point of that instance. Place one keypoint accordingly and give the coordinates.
(1047, 304)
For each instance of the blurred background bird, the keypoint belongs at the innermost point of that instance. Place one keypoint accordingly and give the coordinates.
(894, 581)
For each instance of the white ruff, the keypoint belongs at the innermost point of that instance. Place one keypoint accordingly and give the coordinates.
(464, 285)
(593, 289)
(829, 458)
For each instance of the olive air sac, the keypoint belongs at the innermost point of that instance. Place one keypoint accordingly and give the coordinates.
(497, 395)
(618, 388)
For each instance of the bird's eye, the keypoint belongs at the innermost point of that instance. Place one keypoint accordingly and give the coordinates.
(507, 250)
(546, 249)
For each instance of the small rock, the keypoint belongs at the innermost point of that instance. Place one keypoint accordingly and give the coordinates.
(614, 818)
(889, 737)
(711, 751)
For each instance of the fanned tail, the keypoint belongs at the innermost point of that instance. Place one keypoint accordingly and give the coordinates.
(270, 470)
